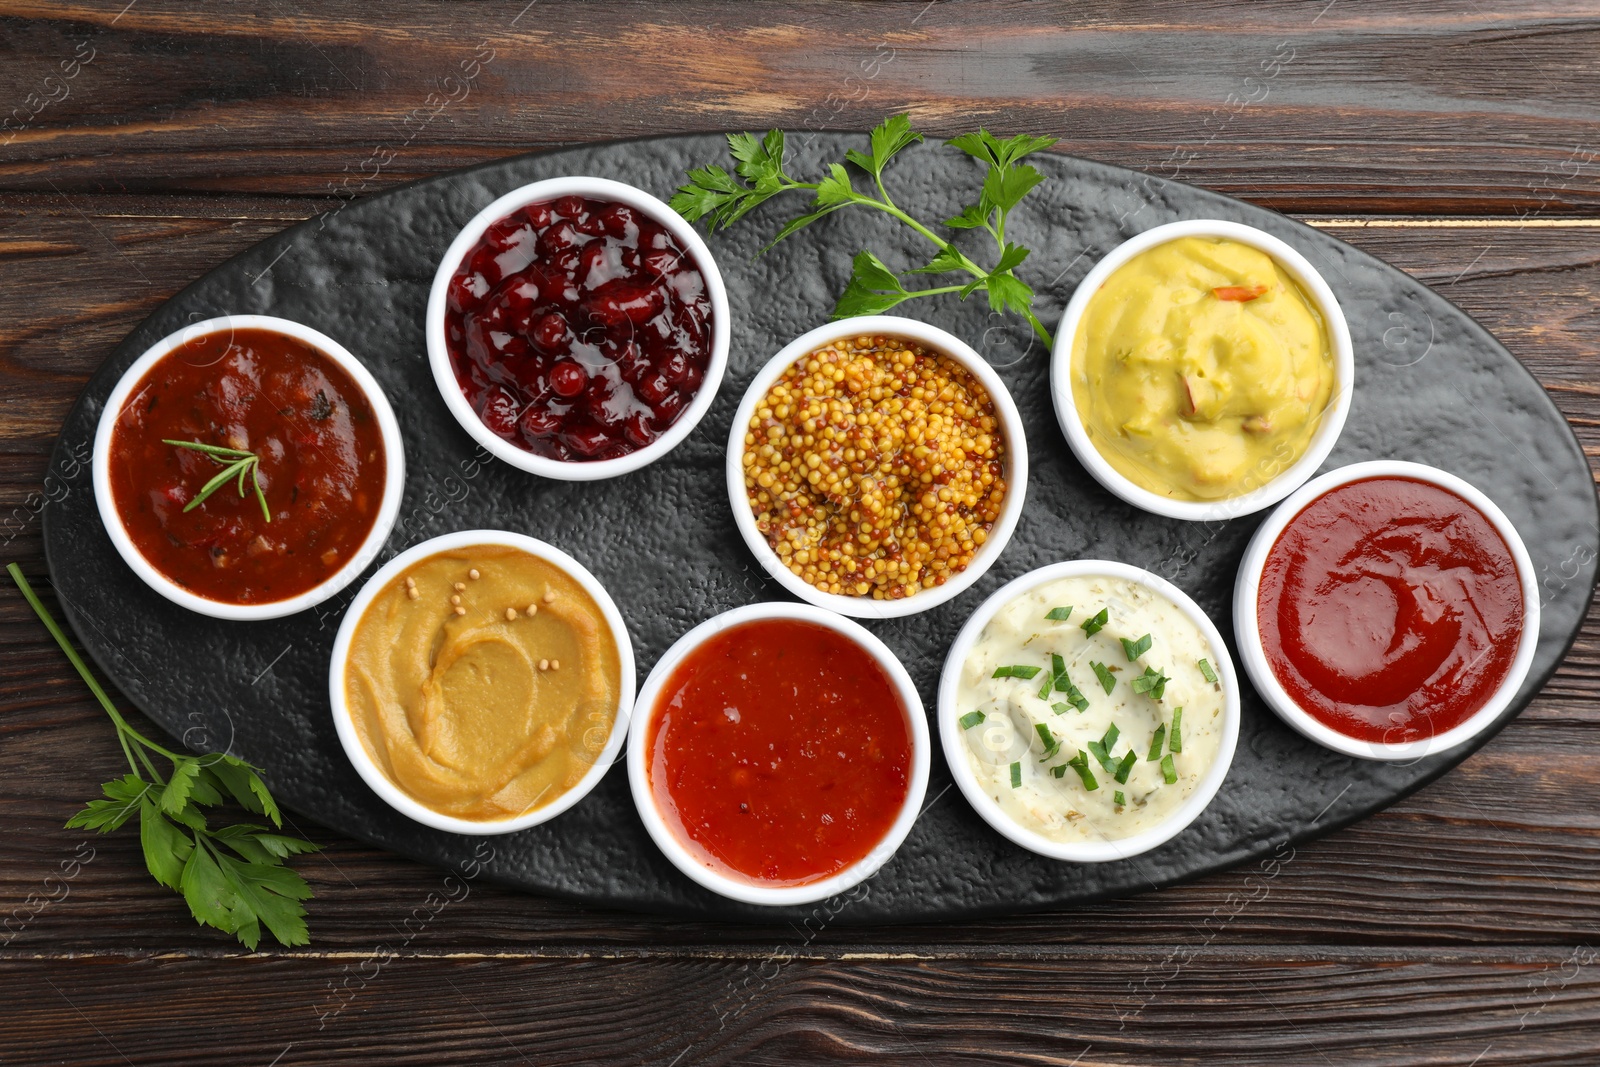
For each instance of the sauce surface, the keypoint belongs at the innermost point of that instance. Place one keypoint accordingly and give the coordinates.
(1079, 786)
(484, 682)
(780, 753)
(322, 466)
(1201, 369)
(579, 329)
(1390, 609)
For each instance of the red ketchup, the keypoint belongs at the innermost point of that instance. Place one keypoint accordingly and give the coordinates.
(322, 466)
(1390, 609)
(780, 753)
(578, 329)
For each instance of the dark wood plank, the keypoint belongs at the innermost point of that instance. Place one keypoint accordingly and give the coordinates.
(1303, 106)
(1170, 1004)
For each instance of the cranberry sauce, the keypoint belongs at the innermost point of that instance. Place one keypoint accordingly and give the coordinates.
(579, 329)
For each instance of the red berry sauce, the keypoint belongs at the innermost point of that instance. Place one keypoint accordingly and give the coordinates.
(579, 329)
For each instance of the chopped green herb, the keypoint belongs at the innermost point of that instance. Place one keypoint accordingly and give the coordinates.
(1107, 682)
(1016, 776)
(1169, 770)
(1151, 681)
(971, 719)
(1080, 763)
(1135, 649)
(1096, 624)
(1060, 708)
(1051, 745)
(1075, 696)
(235, 463)
(1156, 743)
(1125, 767)
(1059, 770)
(1049, 683)
(1058, 672)
(1058, 614)
(1206, 672)
(1101, 749)
(1117, 798)
(1175, 744)
(1016, 670)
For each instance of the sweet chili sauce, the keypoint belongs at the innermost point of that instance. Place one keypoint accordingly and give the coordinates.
(1390, 609)
(322, 466)
(780, 752)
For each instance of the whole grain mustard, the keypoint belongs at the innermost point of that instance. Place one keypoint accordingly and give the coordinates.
(875, 467)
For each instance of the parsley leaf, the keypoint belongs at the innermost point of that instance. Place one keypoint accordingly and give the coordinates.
(719, 198)
(238, 893)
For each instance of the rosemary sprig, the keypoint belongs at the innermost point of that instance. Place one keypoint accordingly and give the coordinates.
(758, 175)
(236, 463)
(233, 877)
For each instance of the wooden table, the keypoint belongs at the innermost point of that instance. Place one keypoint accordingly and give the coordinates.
(1458, 142)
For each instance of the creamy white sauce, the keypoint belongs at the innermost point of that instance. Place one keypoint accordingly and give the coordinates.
(1062, 808)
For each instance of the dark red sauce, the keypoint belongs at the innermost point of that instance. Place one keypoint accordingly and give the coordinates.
(322, 467)
(1390, 609)
(579, 329)
(780, 752)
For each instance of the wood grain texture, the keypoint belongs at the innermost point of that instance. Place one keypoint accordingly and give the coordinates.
(1456, 141)
(1298, 105)
(1205, 1006)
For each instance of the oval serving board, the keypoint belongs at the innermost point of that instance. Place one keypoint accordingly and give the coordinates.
(1432, 386)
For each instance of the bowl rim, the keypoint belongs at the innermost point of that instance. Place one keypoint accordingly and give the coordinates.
(1279, 485)
(439, 353)
(946, 344)
(382, 523)
(666, 840)
(344, 722)
(955, 746)
(1247, 630)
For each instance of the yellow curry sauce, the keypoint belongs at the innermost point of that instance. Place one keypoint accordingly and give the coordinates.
(1200, 369)
(483, 682)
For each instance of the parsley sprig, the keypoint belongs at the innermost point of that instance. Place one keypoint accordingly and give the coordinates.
(758, 175)
(232, 877)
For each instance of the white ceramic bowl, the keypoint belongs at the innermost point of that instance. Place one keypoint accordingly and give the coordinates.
(370, 772)
(1285, 481)
(598, 189)
(388, 507)
(865, 607)
(955, 745)
(750, 892)
(1247, 630)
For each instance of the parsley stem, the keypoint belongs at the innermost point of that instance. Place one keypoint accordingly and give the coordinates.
(123, 729)
(122, 739)
(1038, 327)
(934, 292)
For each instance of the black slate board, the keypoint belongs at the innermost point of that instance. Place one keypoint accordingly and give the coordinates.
(1432, 386)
